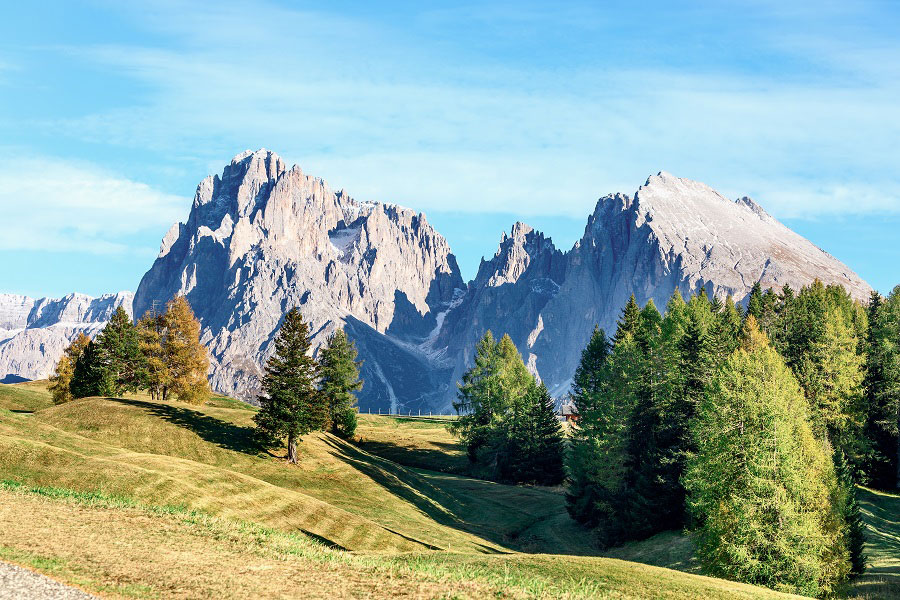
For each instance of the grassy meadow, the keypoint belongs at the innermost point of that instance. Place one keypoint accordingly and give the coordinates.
(131, 498)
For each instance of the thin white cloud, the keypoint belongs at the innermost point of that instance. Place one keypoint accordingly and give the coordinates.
(57, 205)
(372, 111)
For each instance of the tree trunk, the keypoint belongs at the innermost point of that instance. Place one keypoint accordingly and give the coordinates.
(292, 449)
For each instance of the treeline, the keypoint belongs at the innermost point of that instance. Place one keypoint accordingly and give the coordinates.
(748, 427)
(507, 418)
(161, 354)
(302, 394)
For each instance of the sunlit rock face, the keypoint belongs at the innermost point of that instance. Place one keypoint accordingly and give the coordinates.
(35, 332)
(263, 238)
(671, 234)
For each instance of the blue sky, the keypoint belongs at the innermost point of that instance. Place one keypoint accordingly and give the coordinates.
(477, 114)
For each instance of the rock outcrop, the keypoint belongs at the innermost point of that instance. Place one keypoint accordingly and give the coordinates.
(34, 333)
(263, 238)
(672, 234)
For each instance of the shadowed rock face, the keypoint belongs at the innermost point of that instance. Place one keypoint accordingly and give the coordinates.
(35, 332)
(262, 239)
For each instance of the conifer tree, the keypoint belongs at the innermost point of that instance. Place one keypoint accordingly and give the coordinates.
(849, 514)
(339, 378)
(535, 451)
(882, 391)
(480, 403)
(758, 483)
(290, 406)
(596, 453)
(61, 380)
(186, 358)
(119, 345)
(91, 377)
(629, 321)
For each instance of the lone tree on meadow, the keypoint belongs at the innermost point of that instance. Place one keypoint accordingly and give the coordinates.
(61, 380)
(290, 405)
(339, 378)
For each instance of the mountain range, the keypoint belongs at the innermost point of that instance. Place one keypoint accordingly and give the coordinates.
(262, 238)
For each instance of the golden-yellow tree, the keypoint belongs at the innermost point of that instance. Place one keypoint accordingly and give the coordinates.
(62, 377)
(184, 355)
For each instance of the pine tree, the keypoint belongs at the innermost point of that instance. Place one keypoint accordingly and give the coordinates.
(629, 321)
(339, 378)
(119, 344)
(91, 377)
(480, 403)
(758, 483)
(882, 391)
(290, 405)
(598, 437)
(186, 358)
(535, 448)
(61, 380)
(849, 514)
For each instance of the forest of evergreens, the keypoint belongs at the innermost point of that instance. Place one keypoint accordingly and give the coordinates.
(748, 427)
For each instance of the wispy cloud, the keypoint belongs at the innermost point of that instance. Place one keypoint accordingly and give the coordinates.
(58, 205)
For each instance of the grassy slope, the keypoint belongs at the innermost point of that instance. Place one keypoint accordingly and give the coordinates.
(204, 458)
(881, 512)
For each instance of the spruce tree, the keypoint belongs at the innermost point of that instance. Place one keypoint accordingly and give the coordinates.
(849, 514)
(186, 358)
(119, 344)
(882, 391)
(758, 484)
(290, 406)
(61, 380)
(535, 442)
(629, 321)
(339, 378)
(91, 377)
(597, 442)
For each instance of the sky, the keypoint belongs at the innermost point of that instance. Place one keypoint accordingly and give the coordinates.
(478, 114)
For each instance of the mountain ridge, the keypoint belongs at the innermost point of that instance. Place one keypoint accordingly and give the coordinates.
(262, 237)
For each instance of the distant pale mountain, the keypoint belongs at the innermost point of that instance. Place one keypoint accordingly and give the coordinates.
(263, 238)
(34, 332)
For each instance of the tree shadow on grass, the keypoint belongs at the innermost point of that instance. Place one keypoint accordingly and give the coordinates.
(881, 512)
(433, 459)
(439, 505)
(226, 435)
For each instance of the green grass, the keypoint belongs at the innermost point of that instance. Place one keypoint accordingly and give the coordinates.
(881, 512)
(173, 476)
(25, 397)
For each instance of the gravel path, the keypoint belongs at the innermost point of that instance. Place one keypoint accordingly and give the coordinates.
(18, 583)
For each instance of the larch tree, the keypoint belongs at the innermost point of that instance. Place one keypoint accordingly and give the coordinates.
(156, 376)
(338, 380)
(290, 405)
(61, 380)
(185, 357)
(758, 486)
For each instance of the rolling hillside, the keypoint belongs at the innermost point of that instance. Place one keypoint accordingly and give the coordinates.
(130, 498)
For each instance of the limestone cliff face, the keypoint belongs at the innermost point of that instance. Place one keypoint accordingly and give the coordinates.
(263, 238)
(34, 332)
(671, 234)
